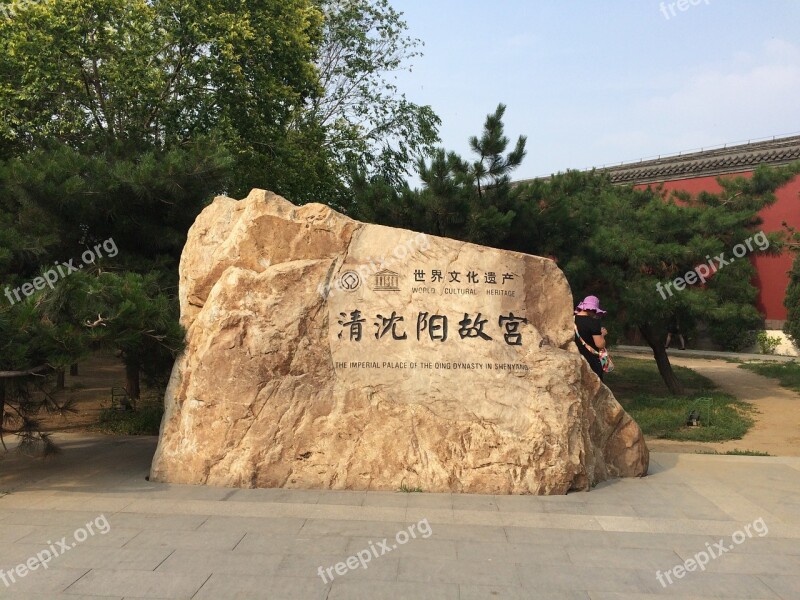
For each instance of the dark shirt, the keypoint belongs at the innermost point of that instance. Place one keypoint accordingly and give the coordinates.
(587, 328)
(674, 326)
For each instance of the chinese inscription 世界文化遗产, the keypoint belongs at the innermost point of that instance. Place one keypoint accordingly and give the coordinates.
(435, 325)
(436, 275)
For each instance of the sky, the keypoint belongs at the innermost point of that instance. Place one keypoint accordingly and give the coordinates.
(598, 83)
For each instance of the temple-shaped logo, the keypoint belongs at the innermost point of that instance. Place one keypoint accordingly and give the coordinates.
(386, 281)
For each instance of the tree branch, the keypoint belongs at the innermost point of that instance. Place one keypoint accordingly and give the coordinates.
(36, 371)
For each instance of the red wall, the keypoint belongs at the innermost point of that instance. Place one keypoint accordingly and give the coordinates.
(772, 277)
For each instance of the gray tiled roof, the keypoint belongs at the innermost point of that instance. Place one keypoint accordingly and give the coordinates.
(732, 159)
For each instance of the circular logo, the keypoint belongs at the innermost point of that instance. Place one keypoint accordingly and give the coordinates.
(350, 281)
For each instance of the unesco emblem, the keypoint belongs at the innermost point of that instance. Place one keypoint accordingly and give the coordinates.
(350, 281)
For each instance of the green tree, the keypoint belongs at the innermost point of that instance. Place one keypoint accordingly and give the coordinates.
(376, 200)
(301, 99)
(31, 348)
(51, 212)
(792, 303)
(628, 246)
(125, 76)
(144, 202)
(130, 314)
(461, 199)
(39, 338)
(87, 310)
(371, 128)
(792, 299)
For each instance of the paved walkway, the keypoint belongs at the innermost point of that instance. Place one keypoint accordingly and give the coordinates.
(171, 541)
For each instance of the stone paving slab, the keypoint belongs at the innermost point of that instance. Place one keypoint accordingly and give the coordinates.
(210, 561)
(43, 582)
(382, 590)
(235, 587)
(243, 525)
(291, 544)
(141, 584)
(172, 541)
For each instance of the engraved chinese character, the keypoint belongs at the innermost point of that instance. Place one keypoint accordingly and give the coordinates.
(389, 324)
(490, 277)
(355, 324)
(508, 277)
(472, 277)
(472, 329)
(454, 276)
(436, 275)
(419, 275)
(512, 335)
(435, 324)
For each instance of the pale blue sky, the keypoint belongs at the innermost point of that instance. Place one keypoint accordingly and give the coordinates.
(592, 83)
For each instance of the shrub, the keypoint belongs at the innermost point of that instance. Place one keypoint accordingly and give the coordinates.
(767, 343)
(732, 334)
(144, 421)
(792, 303)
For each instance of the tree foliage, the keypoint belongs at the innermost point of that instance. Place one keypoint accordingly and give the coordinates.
(792, 299)
(130, 75)
(461, 199)
(627, 245)
(90, 310)
(371, 128)
(300, 91)
(792, 302)
(155, 72)
(130, 314)
(58, 205)
(145, 201)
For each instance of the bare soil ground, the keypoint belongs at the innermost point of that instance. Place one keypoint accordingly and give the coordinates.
(90, 392)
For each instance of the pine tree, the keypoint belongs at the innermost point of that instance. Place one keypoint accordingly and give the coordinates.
(628, 246)
(470, 200)
(130, 314)
(145, 201)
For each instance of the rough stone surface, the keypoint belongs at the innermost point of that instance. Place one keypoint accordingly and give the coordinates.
(277, 388)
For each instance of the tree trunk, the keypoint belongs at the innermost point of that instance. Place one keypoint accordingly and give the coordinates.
(73, 370)
(132, 380)
(662, 360)
(60, 382)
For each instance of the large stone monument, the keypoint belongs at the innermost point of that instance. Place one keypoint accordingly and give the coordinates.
(327, 353)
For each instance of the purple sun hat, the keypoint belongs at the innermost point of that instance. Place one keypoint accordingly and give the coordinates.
(590, 303)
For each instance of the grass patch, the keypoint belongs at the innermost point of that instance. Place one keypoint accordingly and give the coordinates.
(410, 490)
(145, 421)
(639, 388)
(787, 374)
(635, 375)
(735, 452)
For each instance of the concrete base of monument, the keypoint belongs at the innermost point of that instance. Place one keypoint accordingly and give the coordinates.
(327, 353)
